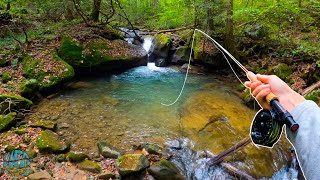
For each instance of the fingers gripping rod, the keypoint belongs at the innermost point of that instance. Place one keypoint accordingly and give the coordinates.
(273, 101)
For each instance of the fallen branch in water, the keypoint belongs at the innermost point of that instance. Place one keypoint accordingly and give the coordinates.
(236, 172)
(310, 88)
(220, 157)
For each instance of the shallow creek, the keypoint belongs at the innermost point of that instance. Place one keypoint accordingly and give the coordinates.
(127, 109)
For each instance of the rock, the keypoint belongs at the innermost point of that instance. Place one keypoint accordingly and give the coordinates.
(21, 131)
(76, 156)
(131, 163)
(31, 154)
(107, 175)
(153, 149)
(19, 102)
(61, 158)
(107, 151)
(181, 55)
(44, 124)
(193, 69)
(33, 68)
(174, 144)
(256, 31)
(49, 141)
(109, 100)
(7, 121)
(28, 87)
(42, 175)
(6, 76)
(101, 55)
(165, 170)
(160, 50)
(90, 166)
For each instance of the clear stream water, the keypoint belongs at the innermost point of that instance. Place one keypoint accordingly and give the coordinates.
(126, 109)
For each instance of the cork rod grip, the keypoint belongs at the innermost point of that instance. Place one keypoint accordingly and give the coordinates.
(253, 78)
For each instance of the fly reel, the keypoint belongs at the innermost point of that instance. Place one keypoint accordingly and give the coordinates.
(266, 128)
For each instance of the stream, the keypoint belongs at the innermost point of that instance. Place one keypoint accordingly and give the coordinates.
(126, 109)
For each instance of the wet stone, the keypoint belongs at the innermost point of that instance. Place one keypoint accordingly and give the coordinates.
(153, 149)
(131, 163)
(49, 141)
(163, 170)
(90, 166)
(76, 156)
(44, 124)
(107, 151)
(42, 175)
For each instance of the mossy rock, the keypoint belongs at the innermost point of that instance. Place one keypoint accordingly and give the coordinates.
(162, 40)
(256, 31)
(314, 96)
(108, 151)
(16, 102)
(10, 148)
(44, 124)
(49, 141)
(131, 163)
(47, 77)
(76, 156)
(153, 149)
(6, 77)
(205, 52)
(28, 87)
(283, 71)
(164, 169)
(31, 154)
(61, 158)
(3, 63)
(90, 166)
(7, 121)
(21, 131)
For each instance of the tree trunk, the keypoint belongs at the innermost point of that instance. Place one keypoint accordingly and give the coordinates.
(229, 41)
(96, 10)
(69, 10)
(8, 6)
(210, 16)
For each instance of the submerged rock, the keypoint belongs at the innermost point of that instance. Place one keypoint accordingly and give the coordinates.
(90, 166)
(44, 124)
(7, 121)
(217, 121)
(165, 170)
(131, 163)
(49, 141)
(107, 151)
(76, 156)
(42, 175)
(153, 149)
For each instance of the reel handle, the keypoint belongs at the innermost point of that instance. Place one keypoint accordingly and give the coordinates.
(273, 101)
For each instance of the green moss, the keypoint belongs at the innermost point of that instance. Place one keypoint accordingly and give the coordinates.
(90, 166)
(61, 158)
(76, 156)
(49, 141)
(162, 40)
(29, 66)
(82, 56)
(7, 121)
(314, 95)
(18, 102)
(28, 87)
(283, 71)
(3, 63)
(131, 163)
(44, 124)
(21, 131)
(240, 88)
(6, 76)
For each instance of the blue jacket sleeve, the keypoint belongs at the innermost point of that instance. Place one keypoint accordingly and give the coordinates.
(307, 139)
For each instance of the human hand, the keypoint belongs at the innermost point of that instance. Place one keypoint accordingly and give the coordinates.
(288, 98)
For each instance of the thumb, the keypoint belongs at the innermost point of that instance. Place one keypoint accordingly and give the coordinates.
(263, 78)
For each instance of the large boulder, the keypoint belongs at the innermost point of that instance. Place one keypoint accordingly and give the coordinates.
(217, 121)
(49, 141)
(99, 54)
(131, 163)
(160, 51)
(256, 31)
(48, 69)
(165, 170)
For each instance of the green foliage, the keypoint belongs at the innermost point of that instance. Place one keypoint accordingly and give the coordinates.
(28, 87)
(6, 76)
(314, 95)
